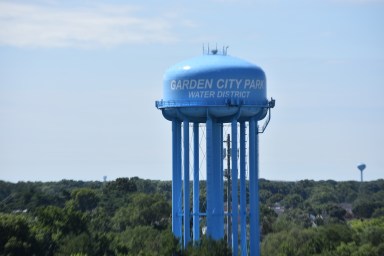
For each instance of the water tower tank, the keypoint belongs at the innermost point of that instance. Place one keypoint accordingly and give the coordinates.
(217, 84)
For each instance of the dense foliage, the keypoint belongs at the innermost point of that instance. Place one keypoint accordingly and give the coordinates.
(322, 218)
(132, 216)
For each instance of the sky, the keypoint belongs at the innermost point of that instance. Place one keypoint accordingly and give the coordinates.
(79, 80)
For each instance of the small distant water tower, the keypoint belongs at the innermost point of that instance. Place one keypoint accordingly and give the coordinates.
(212, 90)
(361, 167)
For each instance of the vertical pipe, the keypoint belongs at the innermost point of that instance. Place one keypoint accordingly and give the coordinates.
(257, 220)
(215, 213)
(243, 199)
(215, 184)
(196, 187)
(234, 189)
(186, 184)
(229, 230)
(253, 189)
(176, 179)
(209, 157)
(219, 181)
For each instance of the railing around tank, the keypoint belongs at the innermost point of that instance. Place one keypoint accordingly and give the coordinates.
(218, 103)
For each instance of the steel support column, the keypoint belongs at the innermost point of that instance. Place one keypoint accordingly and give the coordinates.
(196, 187)
(221, 177)
(186, 184)
(215, 213)
(254, 189)
(210, 182)
(176, 179)
(219, 191)
(243, 199)
(257, 210)
(234, 189)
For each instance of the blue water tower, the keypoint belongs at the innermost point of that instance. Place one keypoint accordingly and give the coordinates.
(215, 89)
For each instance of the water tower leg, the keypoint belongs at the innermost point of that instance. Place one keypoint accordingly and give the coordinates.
(186, 184)
(218, 193)
(243, 194)
(254, 232)
(219, 187)
(234, 189)
(196, 188)
(215, 211)
(210, 182)
(256, 189)
(176, 179)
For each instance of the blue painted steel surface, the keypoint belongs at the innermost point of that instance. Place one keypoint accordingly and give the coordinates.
(186, 184)
(256, 192)
(221, 178)
(234, 189)
(215, 196)
(210, 178)
(217, 83)
(219, 192)
(196, 187)
(176, 179)
(254, 232)
(215, 89)
(213, 79)
(243, 193)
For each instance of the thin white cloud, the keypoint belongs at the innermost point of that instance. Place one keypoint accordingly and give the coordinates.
(50, 25)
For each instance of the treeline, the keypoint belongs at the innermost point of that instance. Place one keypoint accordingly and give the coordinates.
(322, 218)
(132, 216)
